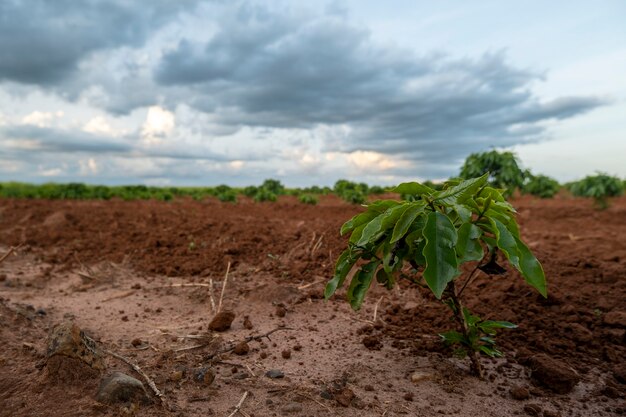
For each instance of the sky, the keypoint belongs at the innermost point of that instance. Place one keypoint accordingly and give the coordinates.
(195, 92)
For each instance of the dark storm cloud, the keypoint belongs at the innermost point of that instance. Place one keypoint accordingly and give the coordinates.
(43, 41)
(276, 70)
(45, 139)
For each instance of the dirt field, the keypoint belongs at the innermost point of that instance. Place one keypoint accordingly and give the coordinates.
(110, 266)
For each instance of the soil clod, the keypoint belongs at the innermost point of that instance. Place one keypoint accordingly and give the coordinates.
(68, 340)
(222, 321)
(242, 348)
(520, 393)
(553, 374)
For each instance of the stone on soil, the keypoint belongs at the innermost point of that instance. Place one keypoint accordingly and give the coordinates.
(553, 374)
(274, 373)
(419, 376)
(222, 321)
(119, 387)
(67, 339)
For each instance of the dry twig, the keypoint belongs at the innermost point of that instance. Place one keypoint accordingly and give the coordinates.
(316, 401)
(10, 251)
(137, 369)
(219, 305)
(376, 308)
(122, 295)
(238, 406)
(211, 295)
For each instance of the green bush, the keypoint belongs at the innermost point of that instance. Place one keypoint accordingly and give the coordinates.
(541, 186)
(308, 199)
(264, 195)
(273, 186)
(229, 196)
(504, 171)
(600, 187)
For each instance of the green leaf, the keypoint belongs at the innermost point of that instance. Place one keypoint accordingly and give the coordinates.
(405, 221)
(344, 264)
(357, 220)
(461, 192)
(531, 269)
(507, 243)
(489, 326)
(441, 261)
(452, 337)
(380, 206)
(380, 224)
(468, 246)
(412, 188)
(356, 233)
(361, 283)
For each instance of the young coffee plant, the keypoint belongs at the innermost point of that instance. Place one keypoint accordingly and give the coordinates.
(503, 168)
(541, 186)
(436, 232)
(599, 187)
(308, 199)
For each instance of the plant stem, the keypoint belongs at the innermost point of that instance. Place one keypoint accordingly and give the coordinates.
(476, 367)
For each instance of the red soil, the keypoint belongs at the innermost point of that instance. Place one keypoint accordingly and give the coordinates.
(125, 251)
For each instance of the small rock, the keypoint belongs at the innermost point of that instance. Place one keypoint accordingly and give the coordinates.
(205, 376)
(176, 376)
(553, 374)
(275, 373)
(286, 354)
(520, 393)
(241, 348)
(344, 397)
(292, 408)
(419, 376)
(67, 339)
(263, 355)
(119, 387)
(222, 321)
(533, 409)
(615, 318)
(136, 342)
(408, 396)
(247, 324)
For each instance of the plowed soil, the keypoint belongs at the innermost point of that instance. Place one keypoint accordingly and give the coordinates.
(121, 271)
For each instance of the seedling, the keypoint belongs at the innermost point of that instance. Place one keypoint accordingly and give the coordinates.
(436, 232)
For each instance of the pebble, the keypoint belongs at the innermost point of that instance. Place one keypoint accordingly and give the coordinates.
(204, 375)
(275, 373)
(119, 387)
(419, 376)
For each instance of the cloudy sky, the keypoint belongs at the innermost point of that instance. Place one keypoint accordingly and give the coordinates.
(194, 92)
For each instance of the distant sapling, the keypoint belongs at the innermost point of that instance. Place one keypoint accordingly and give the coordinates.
(436, 232)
